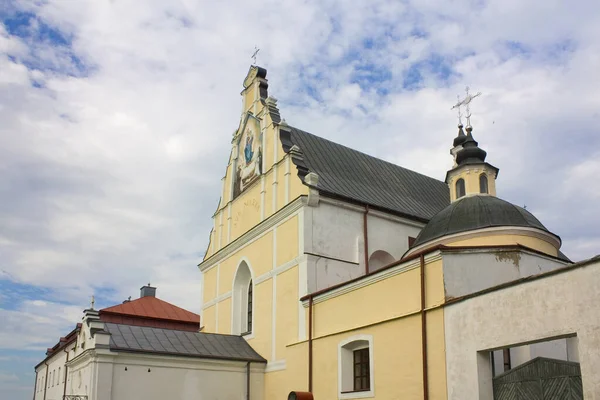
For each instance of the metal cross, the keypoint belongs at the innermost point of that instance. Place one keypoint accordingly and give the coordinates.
(458, 105)
(253, 56)
(466, 102)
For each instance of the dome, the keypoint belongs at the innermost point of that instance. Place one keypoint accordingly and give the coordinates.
(476, 212)
(460, 138)
(470, 151)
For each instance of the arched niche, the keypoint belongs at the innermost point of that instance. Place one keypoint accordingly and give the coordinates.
(378, 259)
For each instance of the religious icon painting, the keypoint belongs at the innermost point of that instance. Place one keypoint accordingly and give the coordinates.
(248, 165)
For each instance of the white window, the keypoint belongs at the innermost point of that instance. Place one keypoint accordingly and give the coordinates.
(242, 301)
(355, 368)
(59, 375)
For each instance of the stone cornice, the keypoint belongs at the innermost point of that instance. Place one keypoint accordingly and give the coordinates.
(280, 216)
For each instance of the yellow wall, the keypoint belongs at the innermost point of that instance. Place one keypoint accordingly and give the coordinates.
(490, 239)
(287, 241)
(287, 311)
(209, 319)
(471, 176)
(263, 300)
(225, 316)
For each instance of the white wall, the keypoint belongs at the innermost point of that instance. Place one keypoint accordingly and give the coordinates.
(335, 237)
(474, 270)
(180, 379)
(559, 305)
(54, 386)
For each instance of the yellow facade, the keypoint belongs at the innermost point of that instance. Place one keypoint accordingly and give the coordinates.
(263, 228)
(471, 174)
(504, 239)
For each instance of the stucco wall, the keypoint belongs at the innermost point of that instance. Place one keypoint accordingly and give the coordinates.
(471, 271)
(53, 385)
(152, 378)
(336, 241)
(558, 305)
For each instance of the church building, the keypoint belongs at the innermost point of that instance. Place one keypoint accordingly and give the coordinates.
(357, 278)
(332, 275)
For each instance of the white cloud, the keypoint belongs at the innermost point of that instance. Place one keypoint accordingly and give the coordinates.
(109, 179)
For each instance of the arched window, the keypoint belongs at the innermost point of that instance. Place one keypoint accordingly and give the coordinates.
(483, 183)
(379, 259)
(242, 301)
(249, 308)
(460, 188)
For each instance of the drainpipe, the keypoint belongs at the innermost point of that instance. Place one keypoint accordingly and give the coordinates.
(248, 380)
(310, 344)
(46, 379)
(366, 237)
(424, 330)
(66, 350)
(35, 384)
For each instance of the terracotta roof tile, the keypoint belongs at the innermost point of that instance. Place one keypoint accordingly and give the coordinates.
(151, 307)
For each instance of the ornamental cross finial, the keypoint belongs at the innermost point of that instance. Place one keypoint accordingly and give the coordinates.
(457, 106)
(253, 56)
(93, 302)
(466, 102)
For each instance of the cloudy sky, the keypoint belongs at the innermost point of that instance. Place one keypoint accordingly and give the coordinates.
(116, 118)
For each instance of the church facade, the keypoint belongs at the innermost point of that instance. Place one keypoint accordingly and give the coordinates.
(357, 278)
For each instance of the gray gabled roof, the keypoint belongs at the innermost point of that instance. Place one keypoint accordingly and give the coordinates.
(180, 343)
(358, 177)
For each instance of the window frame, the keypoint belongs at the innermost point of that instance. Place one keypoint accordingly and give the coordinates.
(487, 183)
(249, 309)
(243, 278)
(464, 189)
(346, 367)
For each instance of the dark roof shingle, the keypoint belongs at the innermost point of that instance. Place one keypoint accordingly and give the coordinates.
(350, 174)
(182, 343)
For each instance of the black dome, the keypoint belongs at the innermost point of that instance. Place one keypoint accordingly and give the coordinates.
(476, 212)
(470, 151)
(460, 139)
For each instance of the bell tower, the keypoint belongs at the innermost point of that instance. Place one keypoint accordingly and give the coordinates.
(470, 174)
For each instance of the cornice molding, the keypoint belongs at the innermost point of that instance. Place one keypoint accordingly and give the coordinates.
(491, 231)
(374, 278)
(255, 233)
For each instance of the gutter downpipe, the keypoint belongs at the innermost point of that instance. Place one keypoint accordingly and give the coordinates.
(366, 238)
(46, 379)
(66, 350)
(424, 330)
(310, 344)
(35, 384)
(248, 381)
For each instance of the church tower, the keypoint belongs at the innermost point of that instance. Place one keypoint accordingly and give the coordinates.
(470, 175)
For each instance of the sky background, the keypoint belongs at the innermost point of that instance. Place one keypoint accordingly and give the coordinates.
(116, 119)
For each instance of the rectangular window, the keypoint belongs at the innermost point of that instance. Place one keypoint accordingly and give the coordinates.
(361, 370)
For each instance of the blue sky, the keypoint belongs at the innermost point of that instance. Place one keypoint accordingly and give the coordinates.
(116, 122)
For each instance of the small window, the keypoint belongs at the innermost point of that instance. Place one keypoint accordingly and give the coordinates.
(361, 370)
(460, 188)
(249, 321)
(355, 368)
(483, 183)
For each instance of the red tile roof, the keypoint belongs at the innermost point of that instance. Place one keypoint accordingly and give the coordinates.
(153, 308)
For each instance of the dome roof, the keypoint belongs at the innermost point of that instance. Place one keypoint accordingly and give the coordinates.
(476, 212)
(461, 137)
(470, 151)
